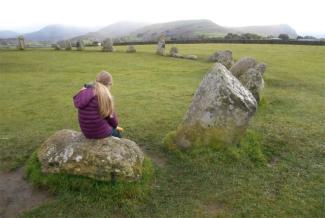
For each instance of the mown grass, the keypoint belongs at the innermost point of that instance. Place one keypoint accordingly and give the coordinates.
(279, 169)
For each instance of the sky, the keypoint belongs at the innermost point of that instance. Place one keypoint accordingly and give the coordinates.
(29, 15)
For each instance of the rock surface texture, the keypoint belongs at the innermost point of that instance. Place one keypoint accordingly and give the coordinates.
(108, 45)
(222, 57)
(68, 151)
(219, 113)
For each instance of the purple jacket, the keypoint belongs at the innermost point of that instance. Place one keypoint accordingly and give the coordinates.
(91, 123)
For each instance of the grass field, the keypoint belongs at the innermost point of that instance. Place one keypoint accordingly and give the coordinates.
(152, 94)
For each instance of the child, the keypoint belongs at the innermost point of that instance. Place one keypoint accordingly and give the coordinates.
(96, 115)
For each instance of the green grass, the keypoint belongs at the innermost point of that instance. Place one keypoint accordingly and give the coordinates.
(278, 171)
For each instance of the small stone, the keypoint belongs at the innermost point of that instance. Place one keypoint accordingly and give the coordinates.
(173, 51)
(131, 49)
(191, 57)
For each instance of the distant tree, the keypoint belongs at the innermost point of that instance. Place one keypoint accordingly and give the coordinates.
(299, 37)
(309, 37)
(250, 36)
(284, 37)
(232, 36)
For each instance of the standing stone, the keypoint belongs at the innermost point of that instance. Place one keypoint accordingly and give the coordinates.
(161, 47)
(242, 66)
(222, 57)
(69, 152)
(261, 67)
(250, 74)
(131, 49)
(21, 43)
(108, 45)
(57, 47)
(219, 113)
(80, 45)
(68, 45)
(252, 79)
(173, 51)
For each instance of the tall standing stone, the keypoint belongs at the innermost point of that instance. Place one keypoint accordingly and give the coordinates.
(68, 45)
(21, 43)
(219, 113)
(108, 45)
(161, 47)
(80, 45)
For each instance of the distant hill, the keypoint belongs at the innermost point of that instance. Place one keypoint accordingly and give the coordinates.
(114, 30)
(8, 34)
(53, 33)
(271, 30)
(132, 31)
(180, 29)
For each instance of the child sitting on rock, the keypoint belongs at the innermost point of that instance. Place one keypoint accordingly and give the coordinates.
(97, 118)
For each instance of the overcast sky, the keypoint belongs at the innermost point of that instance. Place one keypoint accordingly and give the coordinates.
(24, 15)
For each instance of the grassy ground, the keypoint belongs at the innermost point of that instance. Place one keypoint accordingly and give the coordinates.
(279, 171)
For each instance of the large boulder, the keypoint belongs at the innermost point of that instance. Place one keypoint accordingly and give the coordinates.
(219, 113)
(68, 151)
(242, 66)
(222, 57)
(161, 47)
(108, 45)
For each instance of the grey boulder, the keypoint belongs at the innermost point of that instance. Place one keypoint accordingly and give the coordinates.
(219, 112)
(222, 57)
(69, 152)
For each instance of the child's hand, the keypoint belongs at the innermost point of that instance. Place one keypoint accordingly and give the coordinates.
(120, 129)
(83, 88)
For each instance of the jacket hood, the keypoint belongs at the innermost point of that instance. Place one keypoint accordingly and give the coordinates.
(83, 97)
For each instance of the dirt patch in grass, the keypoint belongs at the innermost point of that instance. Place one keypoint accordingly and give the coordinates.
(16, 195)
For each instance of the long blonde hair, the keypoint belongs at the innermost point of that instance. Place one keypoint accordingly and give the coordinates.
(105, 99)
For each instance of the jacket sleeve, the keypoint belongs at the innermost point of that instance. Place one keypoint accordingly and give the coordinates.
(82, 98)
(112, 121)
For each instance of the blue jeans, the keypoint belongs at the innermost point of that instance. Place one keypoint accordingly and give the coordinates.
(116, 133)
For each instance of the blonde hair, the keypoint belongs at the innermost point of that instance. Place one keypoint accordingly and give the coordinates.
(105, 78)
(105, 100)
